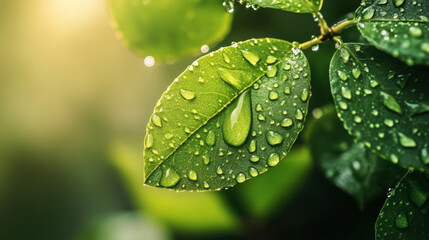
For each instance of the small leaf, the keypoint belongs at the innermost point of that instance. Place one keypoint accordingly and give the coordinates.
(296, 6)
(405, 214)
(169, 29)
(383, 103)
(349, 165)
(244, 95)
(398, 27)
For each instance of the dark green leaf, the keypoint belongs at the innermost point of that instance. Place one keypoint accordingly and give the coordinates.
(405, 214)
(264, 195)
(169, 29)
(183, 211)
(296, 6)
(398, 27)
(228, 117)
(349, 165)
(383, 103)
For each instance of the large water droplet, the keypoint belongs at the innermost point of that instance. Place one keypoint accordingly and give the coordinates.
(287, 122)
(272, 71)
(417, 108)
(398, 3)
(253, 172)
(424, 154)
(241, 178)
(157, 120)
(192, 175)
(346, 93)
(368, 13)
(169, 178)
(415, 31)
(235, 78)
(219, 171)
(274, 138)
(252, 146)
(356, 73)
(304, 95)
(254, 158)
(237, 120)
(228, 5)
(149, 141)
(401, 221)
(406, 141)
(299, 115)
(390, 102)
(418, 195)
(342, 75)
(273, 159)
(187, 95)
(271, 59)
(273, 95)
(251, 57)
(211, 138)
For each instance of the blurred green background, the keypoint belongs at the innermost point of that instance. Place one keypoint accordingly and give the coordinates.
(74, 103)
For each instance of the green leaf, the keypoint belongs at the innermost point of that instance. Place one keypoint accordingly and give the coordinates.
(169, 29)
(405, 214)
(383, 103)
(296, 6)
(398, 27)
(349, 165)
(185, 212)
(230, 116)
(263, 196)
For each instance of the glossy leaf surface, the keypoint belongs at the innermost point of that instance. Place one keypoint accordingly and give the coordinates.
(405, 214)
(195, 137)
(169, 29)
(383, 103)
(349, 165)
(296, 6)
(398, 27)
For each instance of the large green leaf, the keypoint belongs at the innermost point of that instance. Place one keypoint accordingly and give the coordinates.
(184, 212)
(349, 165)
(169, 29)
(398, 27)
(263, 196)
(296, 6)
(383, 103)
(229, 117)
(405, 214)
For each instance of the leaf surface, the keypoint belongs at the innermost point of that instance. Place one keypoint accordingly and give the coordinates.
(229, 117)
(296, 6)
(398, 27)
(169, 29)
(349, 165)
(405, 214)
(383, 103)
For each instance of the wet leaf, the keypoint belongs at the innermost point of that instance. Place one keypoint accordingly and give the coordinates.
(405, 214)
(169, 29)
(398, 27)
(296, 6)
(243, 109)
(383, 103)
(349, 165)
(183, 212)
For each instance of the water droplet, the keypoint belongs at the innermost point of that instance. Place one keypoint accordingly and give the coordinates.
(273, 95)
(401, 221)
(205, 48)
(211, 138)
(226, 58)
(424, 154)
(368, 13)
(425, 47)
(206, 185)
(398, 3)
(287, 90)
(272, 71)
(235, 78)
(304, 95)
(237, 120)
(254, 158)
(357, 119)
(273, 159)
(187, 95)
(206, 160)
(406, 141)
(251, 57)
(417, 195)
(169, 178)
(287, 67)
(342, 75)
(299, 115)
(343, 105)
(287, 122)
(228, 5)
(149, 141)
(389, 122)
(271, 59)
(149, 61)
(219, 171)
(241, 178)
(274, 138)
(253, 172)
(168, 136)
(252, 146)
(394, 158)
(344, 53)
(157, 120)
(192, 175)
(415, 31)
(390, 102)
(356, 73)
(258, 107)
(374, 83)
(417, 108)
(346, 93)
(315, 48)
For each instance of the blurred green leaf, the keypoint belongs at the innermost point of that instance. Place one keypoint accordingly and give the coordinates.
(383, 103)
(183, 211)
(262, 196)
(296, 6)
(229, 117)
(405, 214)
(169, 29)
(398, 27)
(349, 165)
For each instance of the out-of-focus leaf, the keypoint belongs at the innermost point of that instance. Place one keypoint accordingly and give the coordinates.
(405, 214)
(296, 6)
(349, 165)
(169, 29)
(232, 115)
(262, 196)
(398, 27)
(183, 211)
(383, 103)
